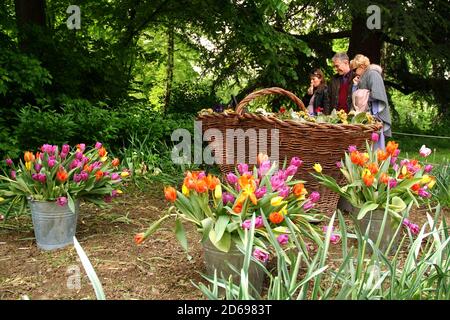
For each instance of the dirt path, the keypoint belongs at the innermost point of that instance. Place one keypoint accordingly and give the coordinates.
(156, 269)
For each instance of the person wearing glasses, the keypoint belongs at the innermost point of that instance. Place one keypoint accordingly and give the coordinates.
(340, 87)
(369, 77)
(316, 100)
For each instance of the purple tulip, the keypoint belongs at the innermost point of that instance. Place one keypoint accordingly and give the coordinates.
(308, 205)
(34, 176)
(404, 162)
(396, 152)
(84, 175)
(232, 178)
(77, 178)
(65, 149)
(42, 177)
(79, 155)
(414, 228)
(37, 167)
(395, 166)
(227, 197)
(74, 164)
(284, 191)
(115, 176)
(352, 148)
(392, 183)
(98, 145)
(63, 155)
(261, 255)
(9, 162)
(242, 168)
(423, 193)
(375, 137)
(13, 174)
(107, 199)
(291, 170)
(283, 239)
(247, 224)
(97, 165)
(61, 201)
(428, 168)
(393, 161)
(51, 162)
(264, 168)
(295, 161)
(314, 197)
(260, 192)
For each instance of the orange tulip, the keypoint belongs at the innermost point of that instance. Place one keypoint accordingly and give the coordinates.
(212, 182)
(384, 178)
(415, 187)
(299, 189)
(87, 168)
(115, 162)
(62, 175)
(373, 168)
(170, 193)
(98, 175)
(368, 180)
(29, 156)
(382, 155)
(139, 238)
(391, 147)
(201, 186)
(237, 207)
(102, 152)
(276, 217)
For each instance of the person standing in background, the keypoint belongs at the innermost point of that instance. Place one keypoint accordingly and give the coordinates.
(368, 76)
(317, 100)
(340, 87)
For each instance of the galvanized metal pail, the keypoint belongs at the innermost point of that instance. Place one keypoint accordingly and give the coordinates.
(54, 225)
(375, 218)
(216, 259)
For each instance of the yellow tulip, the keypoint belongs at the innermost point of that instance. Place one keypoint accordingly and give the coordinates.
(218, 192)
(317, 167)
(284, 211)
(404, 170)
(432, 183)
(124, 174)
(425, 179)
(119, 191)
(28, 165)
(185, 190)
(276, 201)
(1, 199)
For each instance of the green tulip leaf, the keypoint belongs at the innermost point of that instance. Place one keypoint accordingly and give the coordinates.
(368, 206)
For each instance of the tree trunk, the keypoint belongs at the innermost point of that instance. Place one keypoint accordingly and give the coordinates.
(169, 78)
(29, 14)
(365, 41)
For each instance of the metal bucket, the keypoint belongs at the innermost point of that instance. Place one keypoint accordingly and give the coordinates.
(54, 225)
(216, 259)
(376, 220)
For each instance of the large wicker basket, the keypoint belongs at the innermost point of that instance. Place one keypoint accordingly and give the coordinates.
(322, 143)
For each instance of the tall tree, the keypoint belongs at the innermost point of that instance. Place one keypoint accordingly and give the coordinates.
(29, 14)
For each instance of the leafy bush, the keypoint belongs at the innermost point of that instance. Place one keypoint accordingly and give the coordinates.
(442, 188)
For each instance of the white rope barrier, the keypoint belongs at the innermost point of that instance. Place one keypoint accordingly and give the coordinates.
(420, 135)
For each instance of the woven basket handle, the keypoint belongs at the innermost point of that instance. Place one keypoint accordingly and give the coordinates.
(264, 92)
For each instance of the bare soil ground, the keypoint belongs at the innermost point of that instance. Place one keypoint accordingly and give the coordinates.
(156, 269)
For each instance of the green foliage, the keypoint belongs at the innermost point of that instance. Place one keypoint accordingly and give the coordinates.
(442, 188)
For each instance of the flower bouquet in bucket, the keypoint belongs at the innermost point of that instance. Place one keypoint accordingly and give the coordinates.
(377, 182)
(53, 181)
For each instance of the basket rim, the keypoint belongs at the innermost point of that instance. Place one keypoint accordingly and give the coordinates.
(247, 116)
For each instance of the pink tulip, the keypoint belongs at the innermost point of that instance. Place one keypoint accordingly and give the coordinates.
(232, 178)
(261, 255)
(107, 199)
(115, 176)
(98, 145)
(37, 167)
(423, 193)
(247, 224)
(260, 192)
(65, 149)
(295, 161)
(428, 168)
(13, 174)
(392, 183)
(42, 178)
(414, 228)
(396, 152)
(308, 205)
(242, 168)
(283, 239)
(325, 229)
(406, 222)
(61, 201)
(84, 175)
(339, 164)
(375, 137)
(227, 197)
(314, 197)
(284, 191)
(264, 168)
(352, 148)
(201, 175)
(424, 151)
(9, 162)
(79, 155)
(334, 239)
(291, 170)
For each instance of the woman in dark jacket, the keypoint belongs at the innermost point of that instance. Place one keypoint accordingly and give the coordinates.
(317, 100)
